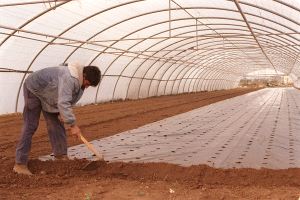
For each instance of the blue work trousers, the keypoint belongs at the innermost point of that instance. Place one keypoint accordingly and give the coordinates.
(31, 116)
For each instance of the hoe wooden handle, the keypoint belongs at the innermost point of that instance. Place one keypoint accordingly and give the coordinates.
(91, 147)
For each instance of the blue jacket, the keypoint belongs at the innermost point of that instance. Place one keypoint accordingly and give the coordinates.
(58, 88)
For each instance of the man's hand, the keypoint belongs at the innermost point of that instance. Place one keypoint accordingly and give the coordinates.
(60, 118)
(75, 131)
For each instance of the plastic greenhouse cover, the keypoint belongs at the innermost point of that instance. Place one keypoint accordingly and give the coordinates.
(147, 47)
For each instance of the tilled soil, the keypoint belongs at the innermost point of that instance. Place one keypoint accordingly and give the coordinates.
(67, 179)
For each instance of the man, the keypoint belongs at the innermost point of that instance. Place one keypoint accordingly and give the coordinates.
(52, 91)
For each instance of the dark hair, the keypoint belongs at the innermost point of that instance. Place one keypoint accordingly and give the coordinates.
(92, 74)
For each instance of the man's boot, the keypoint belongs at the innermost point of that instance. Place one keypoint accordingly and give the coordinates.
(22, 169)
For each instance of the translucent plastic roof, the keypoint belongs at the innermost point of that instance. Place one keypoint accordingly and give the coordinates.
(147, 47)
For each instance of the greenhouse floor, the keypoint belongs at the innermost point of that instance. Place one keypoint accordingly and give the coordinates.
(223, 134)
(254, 130)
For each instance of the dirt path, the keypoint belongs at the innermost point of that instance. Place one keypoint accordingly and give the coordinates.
(66, 180)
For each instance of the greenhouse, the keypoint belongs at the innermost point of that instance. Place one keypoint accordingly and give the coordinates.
(189, 99)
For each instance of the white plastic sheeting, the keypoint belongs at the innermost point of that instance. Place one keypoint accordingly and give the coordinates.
(148, 47)
(259, 129)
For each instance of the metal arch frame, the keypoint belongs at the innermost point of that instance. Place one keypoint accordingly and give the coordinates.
(172, 84)
(18, 94)
(259, 24)
(187, 85)
(217, 70)
(171, 74)
(287, 5)
(160, 80)
(292, 7)
(212, 83)
(183, 73)
(96, 34)
(290, 71)
(127, 64)
(202, 79)
(268, 47)
(32, 2)
(113, 43)
(250, 29)
(289, 35)
(284, 40)
(216, 83)
(221, 84)
(271, 48)
(272, 12)
(173, 63)
(144, 51)
(185, 8)
(197, 83)
(197, 19)
(179, 72)
(193, 78)
(32, 19)
(64, 31)
(241, 12)
(167, 46)
(221, 78)
(200, 75)
(23, 25)
(203, 65)
(216, 59)
(77, 41)
(227, 83)
(210, 80)
(231, 36)
(183, 52)
(135, 45)
(164, 37)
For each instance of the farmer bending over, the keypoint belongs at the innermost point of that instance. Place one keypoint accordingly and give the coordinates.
(52, 91)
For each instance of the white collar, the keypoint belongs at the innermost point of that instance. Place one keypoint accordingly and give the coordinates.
(76, 70)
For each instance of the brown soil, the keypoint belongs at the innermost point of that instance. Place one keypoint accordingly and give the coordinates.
(67, 180)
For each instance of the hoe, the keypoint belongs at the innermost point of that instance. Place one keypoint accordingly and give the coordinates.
(95, 163)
